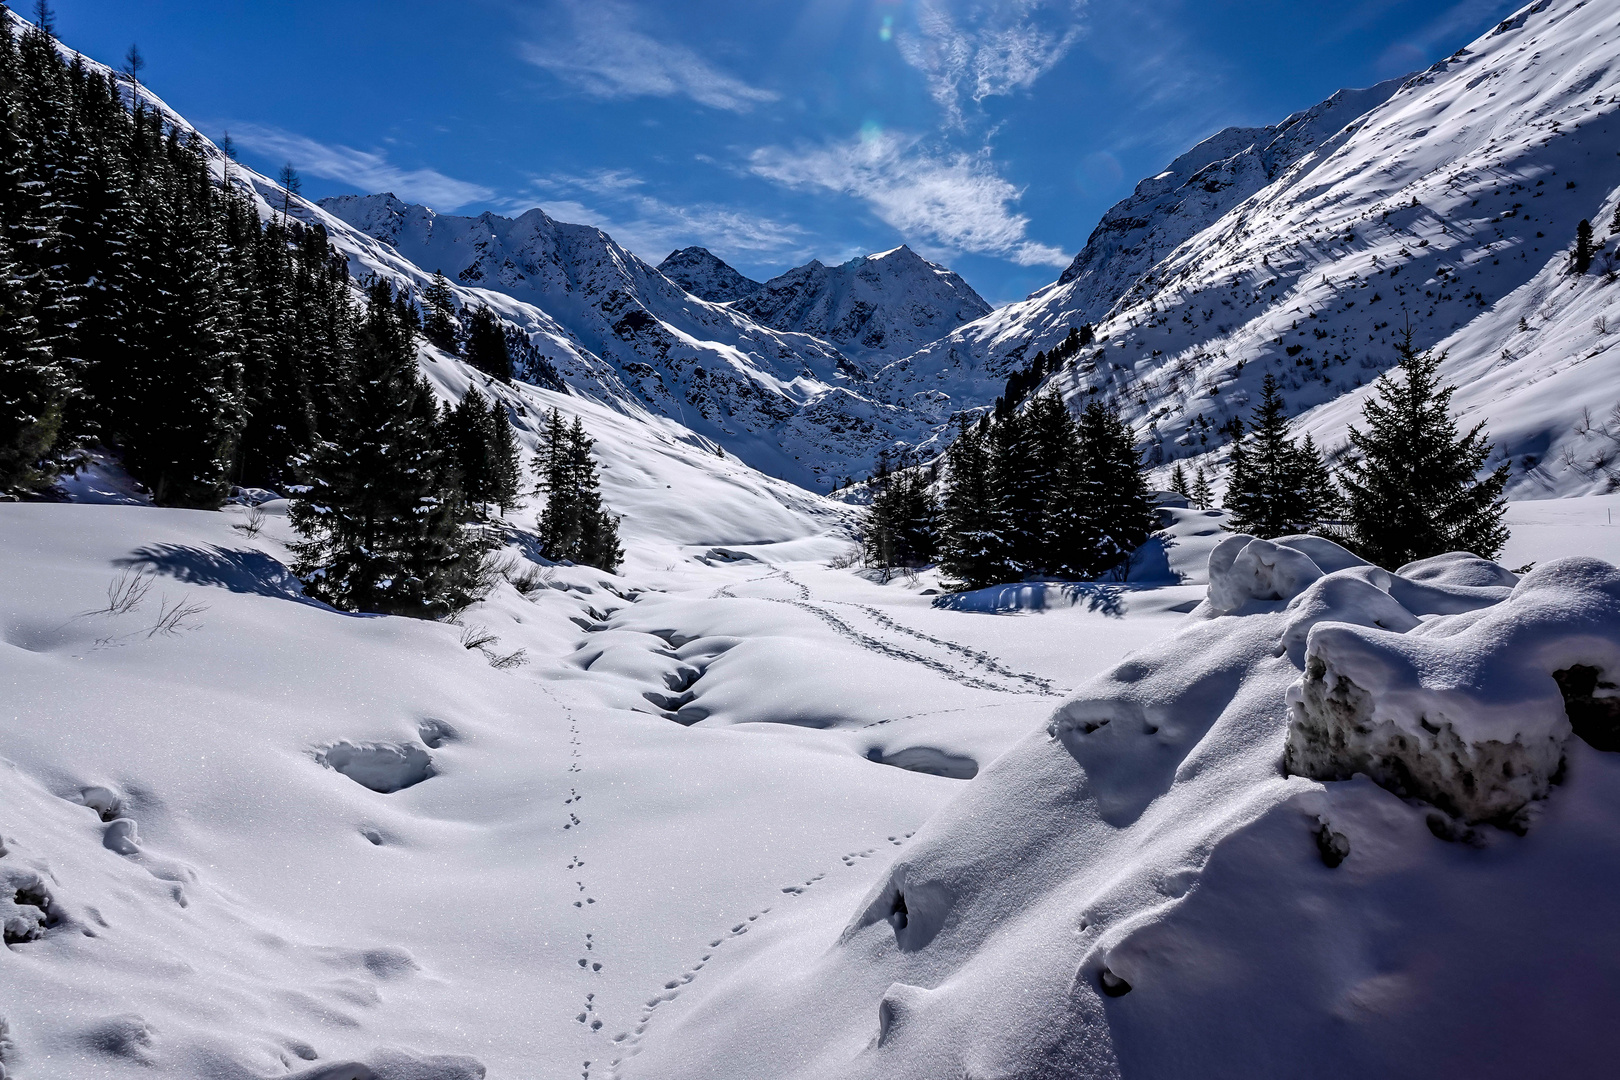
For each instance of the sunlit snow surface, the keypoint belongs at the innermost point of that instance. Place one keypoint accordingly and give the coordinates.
(703, 780)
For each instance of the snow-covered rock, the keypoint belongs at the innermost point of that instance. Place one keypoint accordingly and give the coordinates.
(888, 304)
(1467, 712)
(703, 274)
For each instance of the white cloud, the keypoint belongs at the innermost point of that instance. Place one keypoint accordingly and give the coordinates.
(369, 172)
(652, 227)
(956, 200)
(606, 55)
(987, 49)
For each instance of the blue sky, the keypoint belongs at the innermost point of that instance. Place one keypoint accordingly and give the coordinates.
(988, 134)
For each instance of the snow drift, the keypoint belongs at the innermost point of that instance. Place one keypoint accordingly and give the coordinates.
(1235, 854)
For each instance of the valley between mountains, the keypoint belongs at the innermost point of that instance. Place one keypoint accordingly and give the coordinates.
(751, 806)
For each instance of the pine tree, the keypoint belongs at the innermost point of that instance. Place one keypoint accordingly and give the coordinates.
(506, 464)
(1202, 497)
(1067, 531)
(439, 313)
(901, 525)
(32, 389)
(379, 511)
(1276, 487)
(574, 525)
(1413, 483)
(469, 436)
(1114, 487)
(1018, 476)
(486, 347)
(1178, 482)
(1581, 259)
(972, 548)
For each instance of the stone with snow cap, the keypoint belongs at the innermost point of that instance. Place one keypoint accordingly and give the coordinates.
(1464, 711)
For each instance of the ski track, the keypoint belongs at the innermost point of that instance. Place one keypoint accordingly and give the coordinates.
(1033, 684)
(629, 1041)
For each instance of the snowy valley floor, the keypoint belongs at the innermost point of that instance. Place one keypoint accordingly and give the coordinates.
(263, 838)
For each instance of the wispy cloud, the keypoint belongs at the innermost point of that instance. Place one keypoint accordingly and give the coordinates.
(971, 51)
(615, 201)
(363, 169)
(955, 200)
(605, 54)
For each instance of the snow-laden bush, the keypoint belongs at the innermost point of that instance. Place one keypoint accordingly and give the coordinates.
(1467, 711)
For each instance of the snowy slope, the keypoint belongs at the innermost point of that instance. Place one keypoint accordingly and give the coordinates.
(702, 273)
(1137, 889)
(888, 304)
(1459, 191)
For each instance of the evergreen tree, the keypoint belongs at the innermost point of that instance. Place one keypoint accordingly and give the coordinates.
(1413, 483)
(32, 389)
(1202, 497)
(439, 313)
(972, 548)
(506, 464)
(1581, 259)
(574, 525)
(1178, 482)
(1067, 532)
(468, 432)
(1018, 475)
(379, 511)
(1113, 487)
(486, 347)
(1276, 487)
(901, 523)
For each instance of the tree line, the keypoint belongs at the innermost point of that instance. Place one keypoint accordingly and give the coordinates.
(1035, 492)
(146, 309)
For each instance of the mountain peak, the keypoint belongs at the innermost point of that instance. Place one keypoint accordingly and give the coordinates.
(705, 275)
(890, 302)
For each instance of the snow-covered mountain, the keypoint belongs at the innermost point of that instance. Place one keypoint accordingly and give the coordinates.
(720, 372)
(1434, 207)
(703, 274)
(888, 304)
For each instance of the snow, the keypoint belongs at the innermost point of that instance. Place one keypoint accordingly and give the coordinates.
(701, 273)
(874, 307)
(1448, 202)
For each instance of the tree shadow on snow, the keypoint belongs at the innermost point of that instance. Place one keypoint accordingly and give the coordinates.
(1105, 599)
(239, 570)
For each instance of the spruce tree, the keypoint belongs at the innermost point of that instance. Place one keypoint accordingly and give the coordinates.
(379, 511)
(1413, 482)
(1114, 487)
(1067, 526)
(33, 387)
(469, 443)
(1202, 497)
(901, 526)
(574, 525)
(1276, 487)
(439, 313)
(1018, 476)
(506, 464)
(486, 347)
(972, 547)
(1178, 482)
(1581, 259)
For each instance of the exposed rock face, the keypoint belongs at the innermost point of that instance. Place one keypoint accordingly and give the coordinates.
(703, 274)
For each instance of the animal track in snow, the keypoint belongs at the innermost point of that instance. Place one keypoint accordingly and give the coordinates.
(628, 1041)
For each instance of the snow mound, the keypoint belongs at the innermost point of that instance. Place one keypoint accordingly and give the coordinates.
(1132, 886)
(1466, 713)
